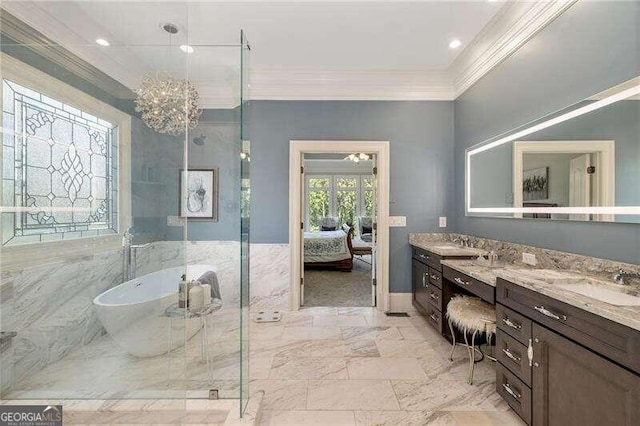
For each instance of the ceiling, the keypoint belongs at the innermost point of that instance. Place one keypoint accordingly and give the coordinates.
(306, 50)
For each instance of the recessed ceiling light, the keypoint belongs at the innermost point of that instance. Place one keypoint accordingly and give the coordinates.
(187, 49)
(454, 44)
(102, 42)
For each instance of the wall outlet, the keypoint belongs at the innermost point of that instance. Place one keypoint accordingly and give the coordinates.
(443, 222)
(529, 259)
(397, 221)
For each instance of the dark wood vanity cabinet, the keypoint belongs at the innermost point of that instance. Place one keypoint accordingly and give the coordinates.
(426, 278)
(574, 386)
(561, 365)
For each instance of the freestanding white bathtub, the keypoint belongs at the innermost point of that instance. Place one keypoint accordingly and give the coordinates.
(134, 312)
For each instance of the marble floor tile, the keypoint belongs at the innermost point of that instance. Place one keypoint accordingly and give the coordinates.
(404, 418)
(259, 367)
(412, 332)
(278, 347)
(356, 310)
(383, 320)
(447, 395)
(385, 368)
(316, 310)
(371, 333)
(308, 418)
(281, 394)
(311, 333)
(308, 368)
(339, 320)
(403, 348)
(344, 348)
(351, 395)
(486, 418)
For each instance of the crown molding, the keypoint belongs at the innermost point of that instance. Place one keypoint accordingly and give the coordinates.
(514, 25)
(306, 84)
(508, 30)
(25, 35)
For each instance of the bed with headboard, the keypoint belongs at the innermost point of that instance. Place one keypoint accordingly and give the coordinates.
(329, 249)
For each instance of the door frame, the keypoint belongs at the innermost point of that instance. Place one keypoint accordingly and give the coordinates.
(605, 163)
(297, 148)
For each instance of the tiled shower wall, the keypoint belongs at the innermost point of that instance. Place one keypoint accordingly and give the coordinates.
(51, 306)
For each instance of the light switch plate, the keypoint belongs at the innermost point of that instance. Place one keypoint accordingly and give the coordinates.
(443, 222)
(397, 221)
(529, 259)
(175, 221)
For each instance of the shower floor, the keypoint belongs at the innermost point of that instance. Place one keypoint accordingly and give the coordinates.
(101, 370)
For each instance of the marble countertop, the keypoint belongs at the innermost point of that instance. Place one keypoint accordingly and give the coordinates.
(625, 315)
(472, 268)
(548, 282)
(447, 249)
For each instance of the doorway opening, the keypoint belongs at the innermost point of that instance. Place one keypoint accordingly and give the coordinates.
(338, 223)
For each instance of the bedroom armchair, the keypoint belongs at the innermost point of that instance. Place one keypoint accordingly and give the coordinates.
(365, 228)
(328, 223)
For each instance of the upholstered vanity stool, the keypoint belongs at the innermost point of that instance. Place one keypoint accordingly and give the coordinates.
(474, 318)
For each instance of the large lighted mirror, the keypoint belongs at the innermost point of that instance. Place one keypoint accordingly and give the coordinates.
(580, 163)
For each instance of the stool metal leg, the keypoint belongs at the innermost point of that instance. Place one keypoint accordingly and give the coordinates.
(453, 337)
(472, 356)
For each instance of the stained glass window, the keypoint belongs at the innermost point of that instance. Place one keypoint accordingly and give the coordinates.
(59, 169)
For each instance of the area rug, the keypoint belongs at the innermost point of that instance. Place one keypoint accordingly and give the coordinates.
(335, 288)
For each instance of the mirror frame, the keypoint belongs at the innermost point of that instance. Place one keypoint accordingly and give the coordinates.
(513, 136)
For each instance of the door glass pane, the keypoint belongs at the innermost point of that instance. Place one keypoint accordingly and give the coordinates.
(347, 182)
(346, 203)
(318, 207)
(319, 182)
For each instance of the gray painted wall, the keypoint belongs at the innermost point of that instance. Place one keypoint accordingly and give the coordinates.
(421, 137)
(591, 47)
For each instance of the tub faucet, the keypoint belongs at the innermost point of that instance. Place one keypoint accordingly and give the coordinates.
(622, 275)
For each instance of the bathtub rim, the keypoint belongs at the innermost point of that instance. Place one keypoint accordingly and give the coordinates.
(96, 302)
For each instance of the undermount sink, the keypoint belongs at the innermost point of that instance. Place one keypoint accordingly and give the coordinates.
(608, 293)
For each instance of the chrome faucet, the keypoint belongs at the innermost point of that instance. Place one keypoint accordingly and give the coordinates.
(621, 275)
(130, 253)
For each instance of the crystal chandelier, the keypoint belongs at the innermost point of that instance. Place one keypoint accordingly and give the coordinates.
(168, 105)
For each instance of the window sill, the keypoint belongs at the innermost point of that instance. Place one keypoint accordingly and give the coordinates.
(53, 252)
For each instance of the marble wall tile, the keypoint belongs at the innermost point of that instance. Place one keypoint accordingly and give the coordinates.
(270, 272)
(51, 308)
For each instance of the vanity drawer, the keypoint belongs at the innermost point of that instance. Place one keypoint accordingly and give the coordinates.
(515, 392)
(480, 289)
(513, 355)
(428, 258)
(607, 338)
(435, 297)
(434, 317)
(435, 277)
(514, 324)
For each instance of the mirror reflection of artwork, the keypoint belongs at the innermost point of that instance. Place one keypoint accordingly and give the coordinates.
(535, 184)
(199, 194)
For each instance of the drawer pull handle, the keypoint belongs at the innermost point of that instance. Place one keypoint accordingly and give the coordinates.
(510, 391)
(511, 356)
(530, 353)
(461, 281)
(434, 296)
(434, 277)
(424, 278)
(550, 314)
(433, 317)
(422, 256)
(511, 324)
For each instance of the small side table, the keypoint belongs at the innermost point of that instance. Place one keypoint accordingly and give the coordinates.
(174, 311)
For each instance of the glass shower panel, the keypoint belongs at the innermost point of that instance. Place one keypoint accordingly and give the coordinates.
(95, 200)
(245, 219)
